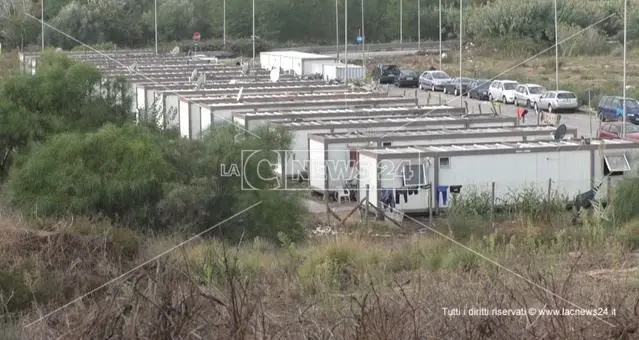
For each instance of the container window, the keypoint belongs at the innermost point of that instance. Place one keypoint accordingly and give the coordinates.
(353, 158)
(444, 162)
(414, 175)
(386, 144)
(616, 165)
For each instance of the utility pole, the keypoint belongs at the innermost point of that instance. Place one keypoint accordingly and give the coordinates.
(42, 22)
(253, 30)
(419, 25)
(337, 30)
(401, 23)
(224, 23)
(363, 39)
(440, 34)
(556, 50)
(155, 23)
(346, 41)
(625, 51)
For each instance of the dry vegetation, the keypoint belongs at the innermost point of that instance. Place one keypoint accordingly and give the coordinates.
(355, 286)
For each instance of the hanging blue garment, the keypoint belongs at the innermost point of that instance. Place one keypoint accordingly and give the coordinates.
(387, 198)
(442, 193)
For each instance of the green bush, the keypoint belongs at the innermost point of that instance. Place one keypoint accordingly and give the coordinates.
(625, 201)
(115, 172)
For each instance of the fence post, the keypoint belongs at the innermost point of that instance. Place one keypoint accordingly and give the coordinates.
(440, 98)
(428, 99)
(430, 206)
(608, 189)
(328, 208)
(549, 189)
(466, 105)
(366, 204)
(492, 204)
(479, 107)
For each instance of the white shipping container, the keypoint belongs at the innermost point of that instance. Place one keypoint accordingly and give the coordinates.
(299, 156)
(335, 71)
(572, 167)
(292, 61)
(342, 155)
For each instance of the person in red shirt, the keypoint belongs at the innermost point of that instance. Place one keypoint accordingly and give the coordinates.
(521, 114)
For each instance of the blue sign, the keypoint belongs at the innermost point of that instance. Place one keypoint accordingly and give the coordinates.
(359, 39)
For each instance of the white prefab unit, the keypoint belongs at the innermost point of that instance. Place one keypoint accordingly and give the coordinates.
(223, 112)
(170, 98)
(341, 72)
(172, 84)
(297, 158)
(192, 123)
(299, 63)
(408, 179)
(253, 120)
(333, 158)
(292, 97)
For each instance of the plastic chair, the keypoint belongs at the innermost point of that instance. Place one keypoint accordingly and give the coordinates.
(343, 194)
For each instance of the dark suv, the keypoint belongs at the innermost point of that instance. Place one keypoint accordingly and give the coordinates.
(386, 73)
(611, 108)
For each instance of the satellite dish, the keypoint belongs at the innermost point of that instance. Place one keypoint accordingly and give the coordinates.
(133, 68)
(193, 76)
(239, 94)
(58, 49)
(233, 81)
(175, 51)
(560, 132)
(275, 75)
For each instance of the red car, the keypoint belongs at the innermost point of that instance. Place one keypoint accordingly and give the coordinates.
(614, 130)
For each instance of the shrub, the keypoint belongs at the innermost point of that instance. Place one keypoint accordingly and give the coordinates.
(625, 202)
(115, 172)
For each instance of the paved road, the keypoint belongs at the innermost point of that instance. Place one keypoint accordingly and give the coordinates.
(356, 54)
(374, 47)
(585, 125)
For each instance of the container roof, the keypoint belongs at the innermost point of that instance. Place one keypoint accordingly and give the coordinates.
(189, 88)
(348, 111)
(323, 101)
(425, 133)
(296, 95)
(297, 54)
(395, 120)
(492, 148)
(339, 65)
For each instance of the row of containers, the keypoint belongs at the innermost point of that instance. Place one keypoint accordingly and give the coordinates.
(310, 64)
(371, 144)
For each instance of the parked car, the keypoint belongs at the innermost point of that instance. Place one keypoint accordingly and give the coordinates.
(614, 130)
(479, 89)
(528, 94)
(458, 85)
(407, 78)
(555, 101)
(503, 91)
(433, 80)
(611, 108)
(385, 73)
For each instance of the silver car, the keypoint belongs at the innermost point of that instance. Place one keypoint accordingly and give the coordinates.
(527, 95)
(555, 101)
(433, 80)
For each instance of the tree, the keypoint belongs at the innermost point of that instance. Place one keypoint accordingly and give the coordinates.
(63, 96)
(116, 172)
